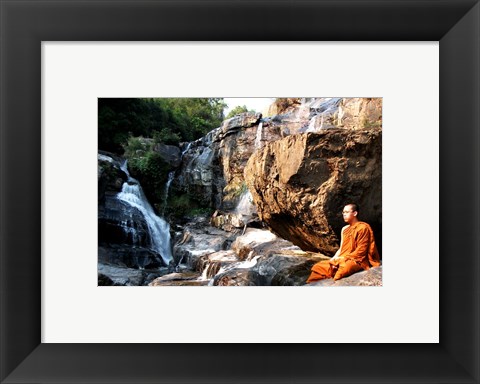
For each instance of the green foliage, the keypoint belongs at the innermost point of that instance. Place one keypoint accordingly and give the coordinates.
(136, 146)
(241, 190)
(367, 124)
(152, 173)
(167, 120)
(237, 110)
(166, 136)
(184, 204)
(235, 189)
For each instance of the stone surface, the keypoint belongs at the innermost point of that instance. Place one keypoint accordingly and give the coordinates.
(281, 269)
(129, 256)
(244, 246)
(372, 277)
(316, 114)
(266, 260)
(120, 223)
(301, 183)
(169, 153)
(110, 176)
(177, 279)
(212, 167)
(199, 239)
(120, 276)
(360, 113)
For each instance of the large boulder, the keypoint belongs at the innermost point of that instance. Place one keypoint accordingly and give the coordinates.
(301, 183)
(110, 176)
(171, 154)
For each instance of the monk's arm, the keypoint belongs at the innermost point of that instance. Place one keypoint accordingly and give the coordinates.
(337, 254)
(363, 242)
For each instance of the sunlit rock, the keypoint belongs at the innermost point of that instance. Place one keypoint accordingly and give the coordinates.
(301, 183)
(372, 277)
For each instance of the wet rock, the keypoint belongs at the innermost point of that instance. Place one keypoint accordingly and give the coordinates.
(120, 223)
(214, 263)
(129, 256)
(200, 175)
(267, 260)
(234, 277)
(248, 245)
(199, 239)
(212, 167)
(177, 278)
(119, 276)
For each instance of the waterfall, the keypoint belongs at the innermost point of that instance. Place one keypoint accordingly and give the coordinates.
(159, 229)
(171, 176)
(187, 148)
(245, 206)
(258, 138)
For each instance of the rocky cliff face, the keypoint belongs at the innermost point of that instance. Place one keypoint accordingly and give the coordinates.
(307, 160)
(300, 184)
(293, 116)
(212, 167)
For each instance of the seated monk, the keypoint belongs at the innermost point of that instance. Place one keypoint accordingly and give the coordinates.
(357, 250)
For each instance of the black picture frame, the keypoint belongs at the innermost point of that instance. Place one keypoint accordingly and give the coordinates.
(454, 23)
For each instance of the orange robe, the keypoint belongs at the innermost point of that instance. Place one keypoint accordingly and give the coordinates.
(358, 252)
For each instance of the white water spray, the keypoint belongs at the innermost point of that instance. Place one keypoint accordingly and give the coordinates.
(159, 229)
(187, 148)
(258, 138)
(245, 206)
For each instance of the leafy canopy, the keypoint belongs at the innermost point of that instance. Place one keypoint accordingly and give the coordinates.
(167, 120)
(237, 110)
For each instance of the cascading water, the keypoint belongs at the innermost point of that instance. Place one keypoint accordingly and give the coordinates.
(245, 206)
(159, 229)
(258, 138)
(187, 148)
(171, 176)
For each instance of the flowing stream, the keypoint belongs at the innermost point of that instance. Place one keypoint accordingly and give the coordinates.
(159, 229)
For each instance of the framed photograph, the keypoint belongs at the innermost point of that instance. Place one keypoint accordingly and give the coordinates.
(453, 217)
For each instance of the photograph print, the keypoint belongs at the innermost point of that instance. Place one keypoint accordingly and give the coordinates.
(280, 191)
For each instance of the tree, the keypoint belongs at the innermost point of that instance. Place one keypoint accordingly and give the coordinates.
(238, 109)
(168, 120)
